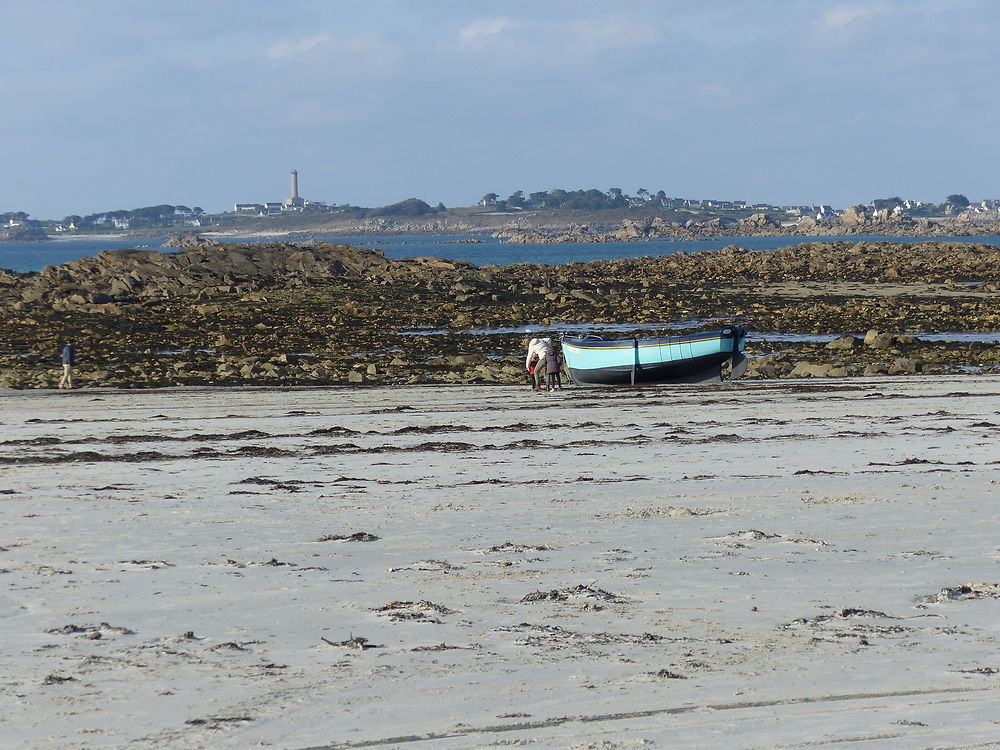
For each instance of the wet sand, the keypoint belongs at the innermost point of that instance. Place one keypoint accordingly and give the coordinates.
(755, 565)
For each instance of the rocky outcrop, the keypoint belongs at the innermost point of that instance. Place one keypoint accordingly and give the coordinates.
(855, 220)
(24, 234)
(285, 314)
(200, 268)
(758, 223)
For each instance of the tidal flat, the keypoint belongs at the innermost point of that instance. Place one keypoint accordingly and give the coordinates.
(774, 563)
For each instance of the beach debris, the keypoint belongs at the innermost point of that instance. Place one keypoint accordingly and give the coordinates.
(965, 591)
(979, 670)
(91, 632)
(511, 547)
(736, 539)
(151, 564)
(906, 462)
(355, 642)
(332, 431)
(580, 591)
(666, 674)
(48, 570)
(843, 500)
(753, 534)
(57, 679)
(232, 646)
(275, 563)
(909, 554)
(659, 511)
(447, 647)
(357, 536)
(442, 565)
(422, 611)
(286, 485)
(845, 624)
(187, 635)
(217, 722)
(554, 636)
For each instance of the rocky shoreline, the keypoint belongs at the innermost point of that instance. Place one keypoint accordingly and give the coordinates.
(283, 314)
(856, 220)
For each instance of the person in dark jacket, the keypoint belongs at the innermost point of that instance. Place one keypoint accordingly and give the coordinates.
(553, 364)
(68, 360)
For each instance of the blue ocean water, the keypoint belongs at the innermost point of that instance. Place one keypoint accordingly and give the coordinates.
(34, 256)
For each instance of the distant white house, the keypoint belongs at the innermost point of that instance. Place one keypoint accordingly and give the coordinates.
(247, 208)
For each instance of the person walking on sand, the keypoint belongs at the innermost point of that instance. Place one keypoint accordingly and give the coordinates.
(537, 348)
(553, 364)
(68, 360)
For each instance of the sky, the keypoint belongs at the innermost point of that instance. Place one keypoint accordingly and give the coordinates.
(117, 104)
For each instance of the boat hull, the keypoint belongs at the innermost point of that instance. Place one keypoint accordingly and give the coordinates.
(694, 358)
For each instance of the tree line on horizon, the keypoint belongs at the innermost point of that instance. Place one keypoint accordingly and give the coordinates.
(575, 200)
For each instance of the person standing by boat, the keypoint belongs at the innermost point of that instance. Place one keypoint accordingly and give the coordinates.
(538, 347)
(68, 360)
(553, 365)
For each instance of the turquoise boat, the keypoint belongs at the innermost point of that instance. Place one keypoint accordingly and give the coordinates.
(691, 358)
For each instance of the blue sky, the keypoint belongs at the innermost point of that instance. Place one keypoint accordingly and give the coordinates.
(118, 104)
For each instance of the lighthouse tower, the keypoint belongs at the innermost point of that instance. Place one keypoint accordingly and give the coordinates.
(293, 200)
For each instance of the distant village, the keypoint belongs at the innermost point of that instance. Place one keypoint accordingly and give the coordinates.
(13, 223)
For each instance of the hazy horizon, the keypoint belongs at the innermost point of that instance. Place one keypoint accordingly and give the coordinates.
(112, 105)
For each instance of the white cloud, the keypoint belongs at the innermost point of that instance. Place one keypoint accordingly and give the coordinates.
(842, 16)
(290, 48)
(369, 54)
(542, 44)
(480, 28)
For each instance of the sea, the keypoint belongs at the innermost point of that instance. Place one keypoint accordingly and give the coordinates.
(479, 249)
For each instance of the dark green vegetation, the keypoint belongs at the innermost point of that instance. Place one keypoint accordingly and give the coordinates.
(321, 313)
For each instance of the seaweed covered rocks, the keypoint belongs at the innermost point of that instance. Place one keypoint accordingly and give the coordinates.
(319, 313)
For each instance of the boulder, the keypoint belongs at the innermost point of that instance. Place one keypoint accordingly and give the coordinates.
(759, 221)
(469, 360)
(878, 340)
(853, 216)
(844, 343)
(819, 371)
(801, 369)
(904, 366)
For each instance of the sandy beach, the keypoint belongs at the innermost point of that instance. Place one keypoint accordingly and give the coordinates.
(755, 565)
